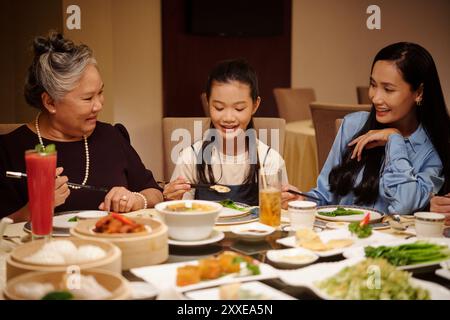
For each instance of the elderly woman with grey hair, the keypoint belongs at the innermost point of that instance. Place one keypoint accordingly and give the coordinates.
(64, 83)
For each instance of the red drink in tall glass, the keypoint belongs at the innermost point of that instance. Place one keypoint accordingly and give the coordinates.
(41, 171)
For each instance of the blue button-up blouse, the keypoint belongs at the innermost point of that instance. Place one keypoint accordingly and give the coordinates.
(412, 170)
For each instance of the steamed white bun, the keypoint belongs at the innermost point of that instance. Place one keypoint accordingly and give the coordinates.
(65, 252)
(89, 289)
(33, 290)
(89, 253)
(46, 257)
(65, 248)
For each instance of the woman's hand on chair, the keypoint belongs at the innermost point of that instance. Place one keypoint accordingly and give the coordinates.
(176, 189)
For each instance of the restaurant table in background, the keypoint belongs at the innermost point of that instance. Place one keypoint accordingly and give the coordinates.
(300, 154)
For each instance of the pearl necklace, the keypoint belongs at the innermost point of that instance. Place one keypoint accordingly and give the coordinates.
(86, 148)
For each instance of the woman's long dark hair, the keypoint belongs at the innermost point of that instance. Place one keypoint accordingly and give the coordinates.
(225, 72)
(417, 68)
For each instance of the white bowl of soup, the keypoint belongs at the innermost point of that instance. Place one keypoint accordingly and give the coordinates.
(189, 220)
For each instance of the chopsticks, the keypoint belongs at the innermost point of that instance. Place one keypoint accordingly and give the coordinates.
(201, 185)
(193, 185)
(303, 194)
(19, 175)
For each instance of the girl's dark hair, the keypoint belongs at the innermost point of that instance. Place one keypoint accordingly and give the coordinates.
(233, 70)
(417, 68)
(225, 72)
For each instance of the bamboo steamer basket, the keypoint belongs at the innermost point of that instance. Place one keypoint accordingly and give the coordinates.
(138, 249)
(115, 283)
(16, 265)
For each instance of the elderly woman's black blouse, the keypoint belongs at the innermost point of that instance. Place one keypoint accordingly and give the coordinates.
(113, 162)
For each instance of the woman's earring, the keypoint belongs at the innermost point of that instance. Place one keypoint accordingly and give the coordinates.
(419, 103)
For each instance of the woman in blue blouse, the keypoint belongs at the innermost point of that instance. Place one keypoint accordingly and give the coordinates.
(395, 157)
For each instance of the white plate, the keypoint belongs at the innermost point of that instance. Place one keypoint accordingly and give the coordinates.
(92, 214)
(283, 257)
(214, 237)
(62, 220)
(254, 231)
(163, 277)
(327, 235)
(251, 216)
(228, 212)
(375, 215)
(306, 277)
(445, 271)
(358, 251)
(255, 287)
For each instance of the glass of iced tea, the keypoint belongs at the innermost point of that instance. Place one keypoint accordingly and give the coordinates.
(270, 197)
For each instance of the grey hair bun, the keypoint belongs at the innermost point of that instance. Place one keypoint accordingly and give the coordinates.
(56, 68)
(54, 42)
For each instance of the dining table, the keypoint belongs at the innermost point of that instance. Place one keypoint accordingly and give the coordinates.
(300, 154)
(16, 235)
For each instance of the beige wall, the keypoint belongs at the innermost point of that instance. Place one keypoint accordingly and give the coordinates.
(138, 76)
(96, 32)
(20, 22)
(332, 49)
(126, 39)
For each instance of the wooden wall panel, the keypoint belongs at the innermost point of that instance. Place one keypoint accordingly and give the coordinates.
(188, 58)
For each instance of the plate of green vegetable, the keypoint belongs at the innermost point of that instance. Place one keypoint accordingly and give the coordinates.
(406, 254)
(232, 209)
(348, 213)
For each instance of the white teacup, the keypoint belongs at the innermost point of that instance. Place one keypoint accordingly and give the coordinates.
(302, 214)
(429, 224)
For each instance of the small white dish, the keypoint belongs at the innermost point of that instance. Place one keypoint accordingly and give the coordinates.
(141, 290)
(91, 214)
(215, 236)
(253, 231)
(290, 229)
(294, 257)
(337, 225)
